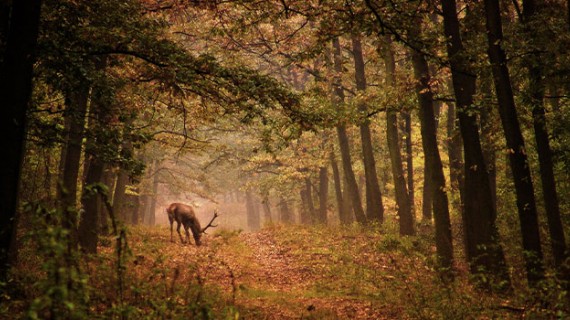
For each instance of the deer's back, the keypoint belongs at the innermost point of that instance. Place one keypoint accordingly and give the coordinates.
(182, 213)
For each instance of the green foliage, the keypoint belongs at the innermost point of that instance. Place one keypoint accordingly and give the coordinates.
(60, 288)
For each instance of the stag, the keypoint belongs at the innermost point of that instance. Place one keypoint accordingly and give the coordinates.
(184, 215)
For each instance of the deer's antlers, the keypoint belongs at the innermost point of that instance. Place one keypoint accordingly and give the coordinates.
(210, 223)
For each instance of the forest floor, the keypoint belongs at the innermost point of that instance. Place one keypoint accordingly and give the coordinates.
(269, 275)
(292, 272)
(279, 272)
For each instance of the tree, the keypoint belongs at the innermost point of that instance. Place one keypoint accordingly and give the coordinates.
(401, 191)
(484, 252)
(536, 88)
(343, 142)
(374, 205)
(517, 152)
(15, 90)
(429, 142)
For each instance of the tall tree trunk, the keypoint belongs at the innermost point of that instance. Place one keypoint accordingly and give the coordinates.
(323, 194)
(76, 109)
(119, 199)
(488, 130)
(284, 211)
(517, 152)
(454, 154)
(253, 222)
(427, 200)
(374, 205)
(104, 215)
(155, 182)
(402, 197)
(337, 187)
(483, 249)
(98, 121)
(438, 195)
(537, 88)
(267, 210)
(15, 90)
(409, 158)
(89, 222)
(310, 203)
(343, 140)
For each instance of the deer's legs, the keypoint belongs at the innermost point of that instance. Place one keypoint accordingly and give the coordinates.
(187, 234)
(178, 230)
(171, 230)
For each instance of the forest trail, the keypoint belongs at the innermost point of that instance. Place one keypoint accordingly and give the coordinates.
(270, 280)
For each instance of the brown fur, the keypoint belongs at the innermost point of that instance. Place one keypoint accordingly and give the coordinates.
(185, 215)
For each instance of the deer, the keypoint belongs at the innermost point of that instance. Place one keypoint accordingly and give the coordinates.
(185, 215)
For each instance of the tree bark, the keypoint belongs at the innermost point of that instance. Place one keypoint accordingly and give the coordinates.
(517, 152)
(409, 159)
(15, 90)
(267, 210)
(119, 198)
(374, 205)
(454, 154)
(89, 222)
(76, 108)
(488, 129)
(253, 221)
(119, 202)
(402, 197)
(284, 211)
(483, 249)
(323, 194)
(537, 89)
(343, 140)
(337, 187)
(310, 203)
(443, 240)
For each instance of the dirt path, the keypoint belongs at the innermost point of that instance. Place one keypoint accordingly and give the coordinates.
(273, 283)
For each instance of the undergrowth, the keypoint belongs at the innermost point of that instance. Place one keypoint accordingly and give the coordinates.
(331, 272)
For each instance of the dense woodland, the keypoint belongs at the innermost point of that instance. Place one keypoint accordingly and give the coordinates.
(372, 159)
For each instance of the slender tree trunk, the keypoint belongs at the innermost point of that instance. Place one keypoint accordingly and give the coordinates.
(488, 130)
(94, 166)
(343, 140)
(427, 201)
(374, 207)
(323, 194)
(438, 195)
(252, 214)
(155, 182)
(284, 211)
(310, 204)
(517, 155)
(119, 201)
(267, 210)
(402, 200)
(337, 186)
(455, 158)
(76, 108)
(104, 215)
(347, 211)
(15, 90)
(89, 223)
(119, 197)
(409, 158)
(537, 88)
(484, 252)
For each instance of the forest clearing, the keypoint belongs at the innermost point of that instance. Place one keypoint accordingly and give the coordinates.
(285, 159)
